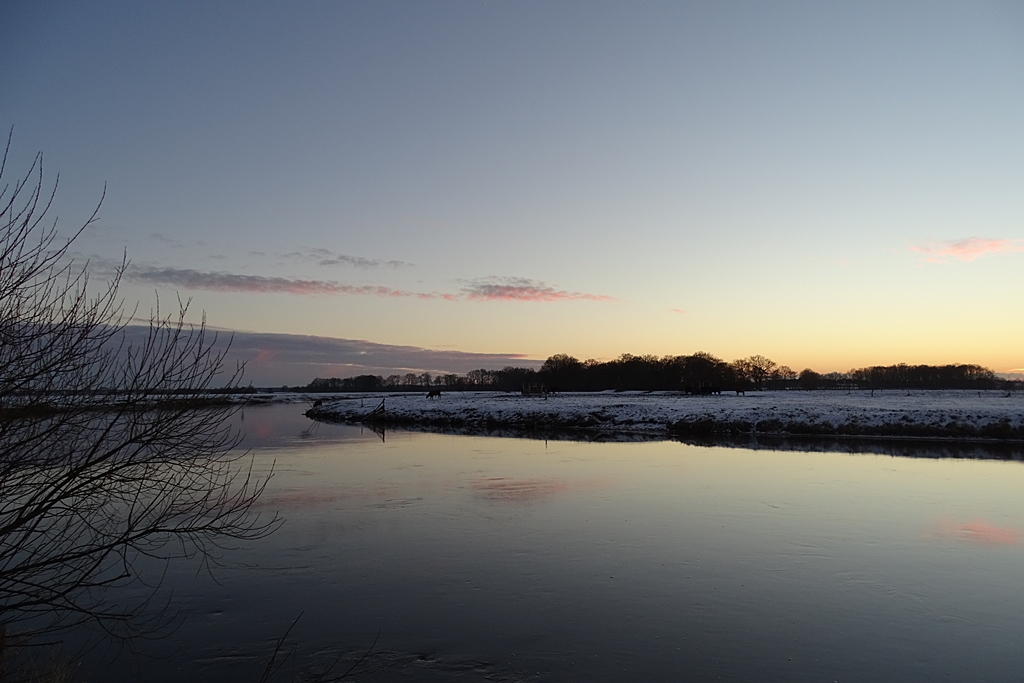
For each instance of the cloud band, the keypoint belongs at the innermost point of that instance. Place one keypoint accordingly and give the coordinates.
(522, 289)
(483, 289)
(967, 249)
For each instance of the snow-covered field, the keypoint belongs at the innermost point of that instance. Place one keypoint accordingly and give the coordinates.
(949, 414)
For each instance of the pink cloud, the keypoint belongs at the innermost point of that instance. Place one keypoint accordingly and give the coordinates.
(523, 289)
(678, 311)
(967, 249)
(979, 531)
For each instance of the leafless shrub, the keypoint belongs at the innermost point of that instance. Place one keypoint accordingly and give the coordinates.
(109, 451)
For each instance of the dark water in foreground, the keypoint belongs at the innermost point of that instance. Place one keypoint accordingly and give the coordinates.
(505, 560)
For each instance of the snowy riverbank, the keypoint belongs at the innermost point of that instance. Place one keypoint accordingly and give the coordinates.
(915, 414)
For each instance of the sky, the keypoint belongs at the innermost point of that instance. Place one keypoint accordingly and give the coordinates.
(477, 184)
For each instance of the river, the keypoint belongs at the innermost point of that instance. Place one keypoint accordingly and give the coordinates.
(491, 559)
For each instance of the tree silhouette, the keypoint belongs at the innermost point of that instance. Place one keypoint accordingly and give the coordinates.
(755, 369)
(561, 370)
(110, 450)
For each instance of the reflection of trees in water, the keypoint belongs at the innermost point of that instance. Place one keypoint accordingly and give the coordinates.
(87, 495)
(897, 447)
(109, 452)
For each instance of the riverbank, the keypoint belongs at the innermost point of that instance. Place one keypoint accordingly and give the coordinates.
(945, 415)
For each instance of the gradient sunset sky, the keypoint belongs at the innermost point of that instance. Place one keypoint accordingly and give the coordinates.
(831, 185)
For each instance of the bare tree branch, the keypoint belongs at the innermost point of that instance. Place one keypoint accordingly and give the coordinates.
(110, 452)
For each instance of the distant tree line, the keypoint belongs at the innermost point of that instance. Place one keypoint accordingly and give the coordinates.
(506, 379)
(925, 377)
(697, 373)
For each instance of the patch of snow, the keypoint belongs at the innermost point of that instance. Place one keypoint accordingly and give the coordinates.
(658, 411)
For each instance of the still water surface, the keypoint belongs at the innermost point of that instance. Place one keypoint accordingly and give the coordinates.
(506, 559)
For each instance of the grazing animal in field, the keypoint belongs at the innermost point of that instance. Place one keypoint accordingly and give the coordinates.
(741, 391)
(434, 393)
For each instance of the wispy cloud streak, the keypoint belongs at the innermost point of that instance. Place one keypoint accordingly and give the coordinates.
(326, 257)
(259, 284)
(484, 289)
(523, 289)
(967, 249)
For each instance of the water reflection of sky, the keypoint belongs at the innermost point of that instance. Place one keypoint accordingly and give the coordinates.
(978, 531)
(526, 560)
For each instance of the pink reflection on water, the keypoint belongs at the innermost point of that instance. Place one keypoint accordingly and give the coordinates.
(979, 531)
(300, 499)
(310, 497)
(263, 431)
(518, 490)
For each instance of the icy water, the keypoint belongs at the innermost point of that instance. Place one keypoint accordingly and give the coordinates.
(486, 559)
